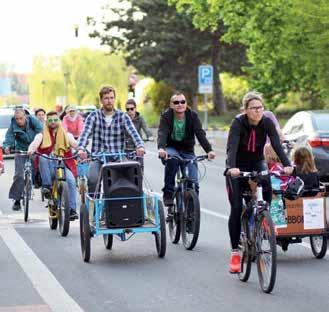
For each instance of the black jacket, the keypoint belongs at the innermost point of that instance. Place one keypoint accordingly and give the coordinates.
(245, 142)
(193, 128)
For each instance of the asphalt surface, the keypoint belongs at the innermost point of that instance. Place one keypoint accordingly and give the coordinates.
(41, 271)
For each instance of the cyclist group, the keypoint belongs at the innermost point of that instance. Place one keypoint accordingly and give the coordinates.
(114, 131)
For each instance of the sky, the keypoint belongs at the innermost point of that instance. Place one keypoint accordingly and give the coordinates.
(32, 27)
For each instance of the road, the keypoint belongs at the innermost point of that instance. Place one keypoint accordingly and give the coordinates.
(41, 271)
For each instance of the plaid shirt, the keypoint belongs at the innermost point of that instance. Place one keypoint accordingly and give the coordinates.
(108, 138)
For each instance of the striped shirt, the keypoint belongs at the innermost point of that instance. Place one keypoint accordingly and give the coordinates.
(108, 138)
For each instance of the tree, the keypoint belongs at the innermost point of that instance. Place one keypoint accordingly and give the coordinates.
(287, 41)
(162, 43)
(85, 72)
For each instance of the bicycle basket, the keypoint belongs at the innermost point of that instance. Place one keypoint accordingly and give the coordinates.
(83, 169)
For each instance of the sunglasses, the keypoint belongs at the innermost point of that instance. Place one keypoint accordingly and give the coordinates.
(179, 102)
(130, 109)
(256, 108)
(50, 120)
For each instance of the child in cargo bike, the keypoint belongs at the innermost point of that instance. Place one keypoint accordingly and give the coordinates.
(305, 169)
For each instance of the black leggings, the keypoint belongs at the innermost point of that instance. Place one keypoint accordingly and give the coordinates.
(235, 187)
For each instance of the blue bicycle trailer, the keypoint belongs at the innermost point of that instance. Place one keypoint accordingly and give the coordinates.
(120, 206)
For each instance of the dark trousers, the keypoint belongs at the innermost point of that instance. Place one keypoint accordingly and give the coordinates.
(172, 166)
(235, 187)
(17, 187)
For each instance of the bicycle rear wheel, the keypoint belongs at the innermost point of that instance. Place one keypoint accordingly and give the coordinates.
(174, 219)
(63, 209)
(266, 251)
(27, 196)
(246, 250)
(319, 245)
(190, 219)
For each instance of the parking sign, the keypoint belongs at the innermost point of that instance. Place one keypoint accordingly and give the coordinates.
(205, 78)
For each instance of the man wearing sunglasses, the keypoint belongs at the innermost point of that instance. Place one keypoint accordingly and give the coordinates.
(55, 140)
(179, 125)
(21, 132)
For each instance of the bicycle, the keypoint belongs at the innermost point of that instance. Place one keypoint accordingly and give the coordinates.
(58, 209)
(131, 213)
(258, 237)
(183, 217)
(28, 184)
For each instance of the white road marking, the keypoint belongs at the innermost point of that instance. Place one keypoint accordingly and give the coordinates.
(50, 290)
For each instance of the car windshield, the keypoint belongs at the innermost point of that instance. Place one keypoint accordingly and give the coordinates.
(5, 121)
(321, 122)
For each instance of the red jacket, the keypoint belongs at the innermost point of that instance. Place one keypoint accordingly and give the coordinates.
(74, 127)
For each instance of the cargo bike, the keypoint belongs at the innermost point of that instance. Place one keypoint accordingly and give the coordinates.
(120, 207)
(298, 218)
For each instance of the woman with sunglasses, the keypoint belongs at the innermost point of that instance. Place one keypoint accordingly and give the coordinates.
(179, 125)
(245, 152)
(139, 124)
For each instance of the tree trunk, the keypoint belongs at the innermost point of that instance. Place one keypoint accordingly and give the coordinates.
(218, 96)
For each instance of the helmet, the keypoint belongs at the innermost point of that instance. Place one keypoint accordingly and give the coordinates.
(294, 188)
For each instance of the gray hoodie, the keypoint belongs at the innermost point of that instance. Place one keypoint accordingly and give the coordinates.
(140, 126)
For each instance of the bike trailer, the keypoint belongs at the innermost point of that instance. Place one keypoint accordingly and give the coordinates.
(304, 216)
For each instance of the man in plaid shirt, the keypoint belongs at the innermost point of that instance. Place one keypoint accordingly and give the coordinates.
(107, 127)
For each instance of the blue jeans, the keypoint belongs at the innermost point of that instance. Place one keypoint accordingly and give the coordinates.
(47, 169)
(172, 166)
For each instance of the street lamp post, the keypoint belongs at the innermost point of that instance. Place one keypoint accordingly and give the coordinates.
(43, 82)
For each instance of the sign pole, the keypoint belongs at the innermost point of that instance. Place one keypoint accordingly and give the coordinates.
(205, 105)
(205, 82)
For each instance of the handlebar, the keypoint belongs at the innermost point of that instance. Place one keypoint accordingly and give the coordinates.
(19, 152)
(75, 155)
(186, 161)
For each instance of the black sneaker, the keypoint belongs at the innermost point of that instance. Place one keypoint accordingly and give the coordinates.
(73, 215)
(17, 205)
(46, 192)
(168, 199)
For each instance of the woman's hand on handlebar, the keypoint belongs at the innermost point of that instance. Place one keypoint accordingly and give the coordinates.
(234, 172)
(288, 170)
(211, 155)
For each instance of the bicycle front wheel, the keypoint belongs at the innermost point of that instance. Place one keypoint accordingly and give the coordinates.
(190, 219)
(246, 250)
(27, 196)
(174, 219)
(266, 252)
(63, 209)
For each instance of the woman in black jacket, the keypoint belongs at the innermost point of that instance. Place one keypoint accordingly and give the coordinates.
(245, 152)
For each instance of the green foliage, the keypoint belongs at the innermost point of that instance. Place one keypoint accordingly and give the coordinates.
(234, 90)
(86, 72)
(160, 94)
(287, 41)
(163, 44)
(152, 117)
